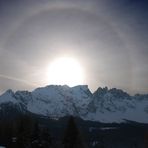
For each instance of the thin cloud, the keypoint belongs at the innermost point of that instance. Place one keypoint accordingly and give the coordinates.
(18, 80)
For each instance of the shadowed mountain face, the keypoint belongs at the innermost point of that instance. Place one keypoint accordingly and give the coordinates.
(104, 105)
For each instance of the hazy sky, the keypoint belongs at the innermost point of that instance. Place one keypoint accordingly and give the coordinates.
(108, 37)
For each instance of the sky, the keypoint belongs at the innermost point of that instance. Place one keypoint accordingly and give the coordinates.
(109, 38)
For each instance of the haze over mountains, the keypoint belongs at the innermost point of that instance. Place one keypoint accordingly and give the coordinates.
(104, 105)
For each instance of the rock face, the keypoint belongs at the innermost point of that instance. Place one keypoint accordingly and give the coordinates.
(105, 105)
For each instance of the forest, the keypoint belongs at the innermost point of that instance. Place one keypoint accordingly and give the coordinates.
(27, 131)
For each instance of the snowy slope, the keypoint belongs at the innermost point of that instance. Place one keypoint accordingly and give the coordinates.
(114, 105)
(8, 96)
(60, 100)
(106, 105)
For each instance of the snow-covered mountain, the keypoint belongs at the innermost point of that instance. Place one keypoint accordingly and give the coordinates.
(105, 105)
(115, 105)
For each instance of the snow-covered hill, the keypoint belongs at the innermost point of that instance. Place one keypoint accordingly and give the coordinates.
(105, 105)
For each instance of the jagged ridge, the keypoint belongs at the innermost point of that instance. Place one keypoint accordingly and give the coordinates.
(105, 105)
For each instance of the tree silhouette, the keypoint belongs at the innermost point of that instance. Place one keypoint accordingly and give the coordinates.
(72, 138)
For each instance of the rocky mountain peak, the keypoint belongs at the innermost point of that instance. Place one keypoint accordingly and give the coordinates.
(106, 105)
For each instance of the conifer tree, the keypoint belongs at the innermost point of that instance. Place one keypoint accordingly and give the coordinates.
(35, 140)
(72, 137)
(46, 138)
(25, 126)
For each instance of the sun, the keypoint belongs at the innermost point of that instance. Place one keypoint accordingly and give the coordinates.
(65, 71)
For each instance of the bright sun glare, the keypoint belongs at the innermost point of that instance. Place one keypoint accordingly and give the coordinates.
(65, 70)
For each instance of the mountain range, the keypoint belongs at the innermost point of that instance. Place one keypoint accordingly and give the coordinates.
(55, 101)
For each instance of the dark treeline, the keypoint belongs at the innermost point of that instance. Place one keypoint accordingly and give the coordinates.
(27, 132)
